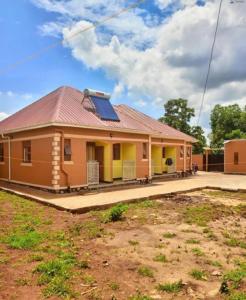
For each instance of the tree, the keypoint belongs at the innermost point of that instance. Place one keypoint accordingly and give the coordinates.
(178, 114)
(198, 133)
(227, 122)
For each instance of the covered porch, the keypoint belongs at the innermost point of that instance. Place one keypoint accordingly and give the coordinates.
(108, 162)
(163, 159)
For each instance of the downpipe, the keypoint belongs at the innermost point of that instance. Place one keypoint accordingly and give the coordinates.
(9, 152)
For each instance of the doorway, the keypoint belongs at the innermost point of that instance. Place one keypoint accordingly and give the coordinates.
(99, 157)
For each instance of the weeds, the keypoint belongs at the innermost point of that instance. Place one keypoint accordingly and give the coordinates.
(236, 276)
(140, 296)
(198, 274)
(133, 242)
(192, 241)
(160, 258)
(115, 213)
(169, 235)
(174, 287)
(146, 272)
(197, 251)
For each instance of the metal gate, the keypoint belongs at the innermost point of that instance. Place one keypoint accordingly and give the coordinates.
(93, 172)
(129, 169)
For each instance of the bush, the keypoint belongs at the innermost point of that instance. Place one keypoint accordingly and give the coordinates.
(115, 213)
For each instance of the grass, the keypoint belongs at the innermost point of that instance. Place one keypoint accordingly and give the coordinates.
(197, 252)
(202, 214)
(88, 279)
(236, 276)
(174, 287)
(133, 242)
(114, 286)
(198, 274)
(24, 240)
(237, 296)
(160, 258)
(169, 235)
(192, 241)
(140, 296)
(234, 242)
(145, 271)
(54, 275)
(92, 230)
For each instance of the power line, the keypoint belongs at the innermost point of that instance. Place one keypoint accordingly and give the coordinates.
(210, 62)
(36, 54)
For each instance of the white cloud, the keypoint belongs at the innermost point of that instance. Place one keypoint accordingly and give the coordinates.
(3, 116)
(140, 103)
(166, 59)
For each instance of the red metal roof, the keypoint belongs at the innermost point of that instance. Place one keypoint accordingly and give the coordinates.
(63, 106)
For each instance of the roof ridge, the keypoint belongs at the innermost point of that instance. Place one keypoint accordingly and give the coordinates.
(58, 104)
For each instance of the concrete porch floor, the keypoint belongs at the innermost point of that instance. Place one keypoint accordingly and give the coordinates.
(102, 199)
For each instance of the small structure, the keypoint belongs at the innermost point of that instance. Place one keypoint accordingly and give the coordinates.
(71, 139)
(212, 160)
(235, 156)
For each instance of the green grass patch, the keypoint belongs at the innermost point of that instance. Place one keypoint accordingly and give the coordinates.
(92, 230)
(192, 241)
(169, 235)
(145, 271)
(198, 274)
(233, 242)
(140, 296)
(88, 279)
(174, 287)
(160, 258)
(114, 286)
(24, 240)
(197, 252)
(237, 296)
(236, 276)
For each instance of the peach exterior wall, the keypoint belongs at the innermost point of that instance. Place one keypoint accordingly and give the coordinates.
(230, 148)
(39, 172)
(44, 172)
(198, 159)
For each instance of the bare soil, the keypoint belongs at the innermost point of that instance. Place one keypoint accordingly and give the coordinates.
(156, 242)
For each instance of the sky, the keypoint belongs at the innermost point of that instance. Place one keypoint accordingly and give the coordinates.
(144, 57)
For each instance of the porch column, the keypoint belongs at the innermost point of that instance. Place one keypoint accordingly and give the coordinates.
(185, 156)
(150, 155)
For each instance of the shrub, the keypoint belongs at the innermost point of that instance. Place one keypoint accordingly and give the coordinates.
(115, 213)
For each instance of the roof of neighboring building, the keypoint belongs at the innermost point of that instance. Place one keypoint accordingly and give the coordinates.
(235, 140)
(63, 107)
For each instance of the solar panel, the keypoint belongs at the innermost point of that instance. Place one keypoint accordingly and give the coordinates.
(104, 109)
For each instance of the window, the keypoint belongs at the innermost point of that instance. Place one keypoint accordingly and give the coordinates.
(188, 151)
(116, 151)
(67, 150)
(181, 153)
(27, 152)
(163, 152)
(1, 152)
(145, 151)
(236, 158)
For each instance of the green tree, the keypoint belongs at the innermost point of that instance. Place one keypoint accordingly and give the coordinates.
(227, 122)
(178, 114)
(198, 133)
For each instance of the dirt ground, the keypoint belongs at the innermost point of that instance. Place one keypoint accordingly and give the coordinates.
(190, 246)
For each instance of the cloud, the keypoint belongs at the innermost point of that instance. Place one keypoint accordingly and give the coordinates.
(3, 116)
(163, 59)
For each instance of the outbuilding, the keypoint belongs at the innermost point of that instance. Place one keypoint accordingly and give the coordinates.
(235, 156)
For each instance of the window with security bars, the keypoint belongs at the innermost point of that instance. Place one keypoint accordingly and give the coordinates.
(27, 152)
(163, 152)
(236, 158)
(116, 151)
(188, 151)
(181, 153)
(67, 150)
(145, 150)
(1, 152)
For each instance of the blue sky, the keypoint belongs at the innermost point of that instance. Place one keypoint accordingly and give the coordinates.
(144, 57)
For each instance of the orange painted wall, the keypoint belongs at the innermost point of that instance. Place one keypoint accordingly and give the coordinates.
(40, 170)
(230, 148)
(198, 159)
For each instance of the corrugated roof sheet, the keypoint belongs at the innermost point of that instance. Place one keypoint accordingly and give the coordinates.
(64, 106)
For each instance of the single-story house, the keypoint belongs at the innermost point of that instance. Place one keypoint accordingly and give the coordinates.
(70, 139)
(235, 156)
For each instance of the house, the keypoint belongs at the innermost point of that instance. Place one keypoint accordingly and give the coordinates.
(235, 156)
(71, 139)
